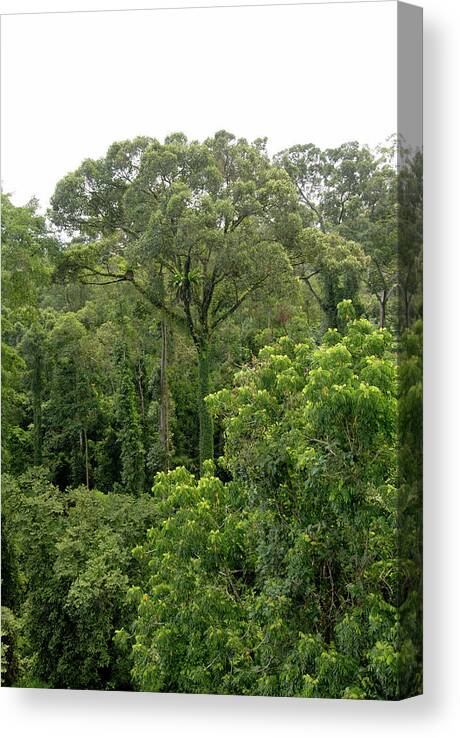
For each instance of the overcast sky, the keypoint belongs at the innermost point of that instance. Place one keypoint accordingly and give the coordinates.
(74, 83)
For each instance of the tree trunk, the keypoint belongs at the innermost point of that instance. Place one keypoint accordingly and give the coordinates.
(164, 393)
(407, 299)
(86, 458)
(205, 419)
(383, 308)
(330, 302)
(404, 311)
(37, 409)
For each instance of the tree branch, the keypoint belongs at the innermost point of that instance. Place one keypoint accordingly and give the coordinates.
(237, 304)
(313, 291)
(186, 299)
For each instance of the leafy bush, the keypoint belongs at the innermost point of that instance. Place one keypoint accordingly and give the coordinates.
(284, 581)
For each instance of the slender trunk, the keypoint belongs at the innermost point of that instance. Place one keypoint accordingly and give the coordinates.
(330, 303)
(37, 409)
(141, 392)
(383, 308)
(407, 297)
(164, 393)
(37, 432)
(86, 458)
(404, 308)
(205, 418)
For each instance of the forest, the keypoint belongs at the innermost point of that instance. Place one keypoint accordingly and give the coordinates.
(211, 422)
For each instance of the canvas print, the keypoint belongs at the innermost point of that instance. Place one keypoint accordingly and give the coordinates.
(211, 351)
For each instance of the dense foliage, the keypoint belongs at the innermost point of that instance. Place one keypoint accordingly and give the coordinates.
(211, 423)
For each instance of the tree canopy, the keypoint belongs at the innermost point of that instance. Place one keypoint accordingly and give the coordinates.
(211, 386)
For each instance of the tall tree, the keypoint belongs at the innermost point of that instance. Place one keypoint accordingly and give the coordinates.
(130, 434)
(194, 227)
(32, 348)
(26, 269)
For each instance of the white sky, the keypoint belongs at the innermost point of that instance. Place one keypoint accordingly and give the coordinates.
(74, 83)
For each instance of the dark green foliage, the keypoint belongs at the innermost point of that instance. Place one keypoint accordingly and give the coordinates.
(10, 655)
(410, 512)
(72, 409)
(132, 455)
(33, 347)
(75, 555)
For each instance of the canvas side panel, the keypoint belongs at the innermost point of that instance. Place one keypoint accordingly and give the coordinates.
(410, 333)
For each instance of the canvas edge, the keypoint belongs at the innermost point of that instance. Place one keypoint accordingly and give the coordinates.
(409, 20)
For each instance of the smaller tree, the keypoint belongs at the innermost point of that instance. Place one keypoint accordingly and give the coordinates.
(335, 264)
(32, 349)
(26, 270)
(71, 410)
(130, 434)
(353, 191)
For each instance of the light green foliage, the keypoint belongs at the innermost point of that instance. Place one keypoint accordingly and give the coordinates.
(339, 264)
(191, 623)
(26, 247)
(26, 269)
(284, 581)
